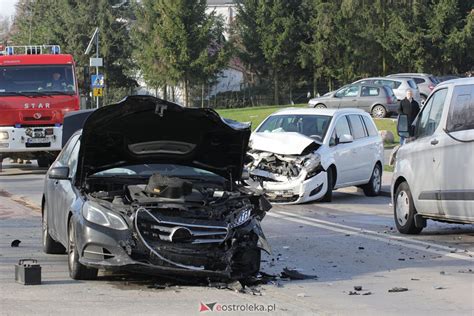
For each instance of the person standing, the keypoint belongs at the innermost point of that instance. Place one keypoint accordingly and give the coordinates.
(410, 108)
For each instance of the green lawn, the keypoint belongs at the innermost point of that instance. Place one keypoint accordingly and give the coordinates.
(252, 114)
(257, 114)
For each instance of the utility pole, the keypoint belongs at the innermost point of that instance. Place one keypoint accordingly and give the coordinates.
(95, 62)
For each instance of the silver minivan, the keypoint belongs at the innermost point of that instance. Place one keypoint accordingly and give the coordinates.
(398, 85)
(433, 169)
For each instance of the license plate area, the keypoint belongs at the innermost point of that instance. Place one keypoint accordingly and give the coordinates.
(38, 141)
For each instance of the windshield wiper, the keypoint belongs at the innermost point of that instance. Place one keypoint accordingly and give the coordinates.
(29, 94)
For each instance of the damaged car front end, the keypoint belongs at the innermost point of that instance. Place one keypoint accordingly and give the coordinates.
(286, 167)
(157, 190)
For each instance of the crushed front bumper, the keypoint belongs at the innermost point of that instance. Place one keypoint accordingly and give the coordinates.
(104, 248)
(294, 191)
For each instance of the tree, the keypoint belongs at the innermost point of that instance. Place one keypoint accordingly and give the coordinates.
(181, 43)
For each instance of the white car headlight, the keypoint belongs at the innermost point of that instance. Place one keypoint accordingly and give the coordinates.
(3, 135)
(101, 216)
(312, 162)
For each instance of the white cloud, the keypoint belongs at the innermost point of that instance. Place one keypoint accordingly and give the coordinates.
(7, 7)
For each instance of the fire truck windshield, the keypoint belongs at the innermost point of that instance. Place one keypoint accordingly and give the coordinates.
(40, 79)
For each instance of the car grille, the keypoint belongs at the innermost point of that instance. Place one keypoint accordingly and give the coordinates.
(154, 227)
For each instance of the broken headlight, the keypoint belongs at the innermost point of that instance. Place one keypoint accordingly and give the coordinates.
(97, 214)
(242, 217)
(313, 166)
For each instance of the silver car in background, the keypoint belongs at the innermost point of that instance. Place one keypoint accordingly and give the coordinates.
(425, 82)
(376, 99)
(398, 85)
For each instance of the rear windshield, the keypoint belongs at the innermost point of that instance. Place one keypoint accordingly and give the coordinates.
(53, 79)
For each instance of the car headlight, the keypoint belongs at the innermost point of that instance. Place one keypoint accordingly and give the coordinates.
(312, 162)
(3, 135)
(101, 216)
(242, 217)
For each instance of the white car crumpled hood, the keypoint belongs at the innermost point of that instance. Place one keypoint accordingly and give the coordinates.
(287, 143)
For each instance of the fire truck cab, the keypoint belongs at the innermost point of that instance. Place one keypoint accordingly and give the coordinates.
(37, 88)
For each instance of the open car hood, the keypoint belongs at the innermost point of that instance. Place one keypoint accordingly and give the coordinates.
(284, 143)
(145, 129)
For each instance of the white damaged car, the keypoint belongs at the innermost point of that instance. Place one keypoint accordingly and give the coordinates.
(301, 155)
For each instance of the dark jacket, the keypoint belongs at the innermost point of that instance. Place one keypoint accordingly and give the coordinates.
(411, 109)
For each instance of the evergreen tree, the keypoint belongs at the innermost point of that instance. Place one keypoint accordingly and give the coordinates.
(185, 45)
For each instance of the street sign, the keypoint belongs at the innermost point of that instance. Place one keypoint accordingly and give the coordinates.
(98, 92)
(95, 62)
(97, 81)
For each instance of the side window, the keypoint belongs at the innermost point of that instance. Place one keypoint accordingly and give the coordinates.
(66, 152)
(419, 80)
(351, 92)
(461, 111)
(369, 124)
(342, 127)
(358, 130)
(412, 84)
(374, 91)
(431, 115)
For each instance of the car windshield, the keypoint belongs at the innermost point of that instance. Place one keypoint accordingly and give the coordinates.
(47, 79)
(314, 126)
(146, 170)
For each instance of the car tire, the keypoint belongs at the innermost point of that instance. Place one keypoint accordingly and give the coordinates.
(375, 184)
(50, 246)
(379, 111)
(404, 210)
(320, 106)
(77, 271)
(423, 98)
(330, 179)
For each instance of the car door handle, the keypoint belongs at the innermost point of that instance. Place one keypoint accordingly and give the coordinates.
(434, 142)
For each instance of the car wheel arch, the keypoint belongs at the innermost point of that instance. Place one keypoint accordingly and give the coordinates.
(334, 173)
(397, 183)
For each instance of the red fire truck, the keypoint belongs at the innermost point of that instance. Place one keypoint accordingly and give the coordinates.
(37, 87)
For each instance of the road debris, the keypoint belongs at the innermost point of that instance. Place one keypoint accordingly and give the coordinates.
(361, 248)
(415, 279)
(442, 272)
(466, 271)
(15, 243)
(358, 288)
(353, 293)
(397, 289)
(439, 288)
(367, 293)
(296, 275)
(301, 295)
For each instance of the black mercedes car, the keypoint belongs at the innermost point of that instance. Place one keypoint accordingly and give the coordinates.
(149, 186)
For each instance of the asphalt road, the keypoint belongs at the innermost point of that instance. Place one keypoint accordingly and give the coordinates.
(350, 242)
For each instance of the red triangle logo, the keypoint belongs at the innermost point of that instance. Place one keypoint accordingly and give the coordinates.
(203, 308)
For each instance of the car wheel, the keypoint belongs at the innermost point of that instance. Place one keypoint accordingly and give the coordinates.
(50, 246)
(330, 179)
(423, 98)
(379, 111)
(404, 210)
(77, 270)
(375, 184)
(320, 106)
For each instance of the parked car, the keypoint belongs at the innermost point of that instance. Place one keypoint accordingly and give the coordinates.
(446, 78)
(301, 155)
(134, 190)
(425, 82)
(375, 99)
(398, 85)
(433, 171)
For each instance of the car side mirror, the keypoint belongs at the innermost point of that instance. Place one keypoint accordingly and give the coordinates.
(59, 173)
(403, 130)
(346, 138)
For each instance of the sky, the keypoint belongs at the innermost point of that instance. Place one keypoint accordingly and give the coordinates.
(7, 7)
